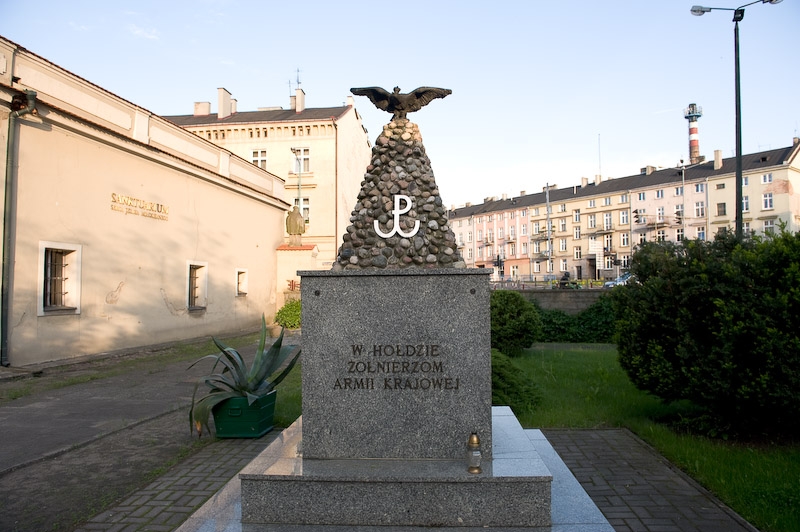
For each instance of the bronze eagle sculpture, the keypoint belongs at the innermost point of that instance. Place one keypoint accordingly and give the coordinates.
(399, 104)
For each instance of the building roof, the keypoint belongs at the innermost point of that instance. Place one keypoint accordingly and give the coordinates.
(750, 163)
(252, 117)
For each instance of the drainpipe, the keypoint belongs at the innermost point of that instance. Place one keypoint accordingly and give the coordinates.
(9, 219)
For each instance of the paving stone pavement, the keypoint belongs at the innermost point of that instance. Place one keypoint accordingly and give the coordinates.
(636, 488)
(169, 500)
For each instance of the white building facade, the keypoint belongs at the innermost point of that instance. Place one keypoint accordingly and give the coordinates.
(120, 228)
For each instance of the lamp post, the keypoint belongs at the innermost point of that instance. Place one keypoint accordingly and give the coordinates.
(738, 14)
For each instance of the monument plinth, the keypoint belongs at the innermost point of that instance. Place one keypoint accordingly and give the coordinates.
(397, 372)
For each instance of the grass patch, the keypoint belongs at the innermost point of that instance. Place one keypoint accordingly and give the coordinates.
(584, 387)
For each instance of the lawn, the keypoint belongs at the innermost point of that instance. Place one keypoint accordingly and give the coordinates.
(582, 386)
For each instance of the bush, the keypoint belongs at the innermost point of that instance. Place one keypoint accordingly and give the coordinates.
(592, 325)
(510, 388)
(716, 323)
(515, 322)
(289, 316)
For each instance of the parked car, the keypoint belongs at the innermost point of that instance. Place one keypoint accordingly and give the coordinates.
(621, 280)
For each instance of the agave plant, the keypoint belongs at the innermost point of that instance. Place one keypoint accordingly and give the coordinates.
(236, 380)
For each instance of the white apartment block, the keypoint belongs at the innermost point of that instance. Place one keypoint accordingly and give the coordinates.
(321, 153)
(590, 230)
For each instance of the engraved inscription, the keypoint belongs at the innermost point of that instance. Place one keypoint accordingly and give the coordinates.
(397, 366)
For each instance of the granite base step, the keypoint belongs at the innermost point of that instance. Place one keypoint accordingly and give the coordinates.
(513, 489)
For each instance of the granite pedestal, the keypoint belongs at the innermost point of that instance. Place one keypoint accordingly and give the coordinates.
(513, 490)
(396, 377)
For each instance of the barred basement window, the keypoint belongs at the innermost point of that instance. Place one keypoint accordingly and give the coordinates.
(197, 287)
(59, 278)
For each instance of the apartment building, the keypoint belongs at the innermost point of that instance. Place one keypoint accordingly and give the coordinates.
(590, 230)
(320, 153)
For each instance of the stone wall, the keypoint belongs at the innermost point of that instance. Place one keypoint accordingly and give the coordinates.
(570, 301)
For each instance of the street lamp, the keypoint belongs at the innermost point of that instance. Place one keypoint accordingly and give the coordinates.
(738, 14)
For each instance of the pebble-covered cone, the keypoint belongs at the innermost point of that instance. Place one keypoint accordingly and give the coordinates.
(399, 167)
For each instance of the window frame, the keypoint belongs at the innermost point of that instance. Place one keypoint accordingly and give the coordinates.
(197, 295)
(71, 283)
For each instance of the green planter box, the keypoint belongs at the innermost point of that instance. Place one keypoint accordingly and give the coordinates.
(234, 418)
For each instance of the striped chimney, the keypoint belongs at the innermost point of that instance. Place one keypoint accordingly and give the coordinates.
(692, 113)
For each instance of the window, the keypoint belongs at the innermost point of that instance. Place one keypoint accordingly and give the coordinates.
(642, 238)
(500, 233)
(607, 221)
(512, 233)
(679, 191)
(523, 229)
(745, 228)
(301, 160)
(576, 253)
(535, 228)
(564, 266)
(701, 233)
(480, 235)
(700, 209)
(512, 250)
(562, 244)
(623, 198)
(305, 209)
(197, 286)
(625, 239)
(469, 236)
(469, 253)
(679, 235)
(514, 272)
(562, 207)
(641, 196)
(623, 217)
(460, 239)
(700, 187)
(659, 193)
(745, 203)
(592, 222)
(59, 278)
(525, 248)
(537, 267)
(767, 201)
(489, 236)
(661, 235)
(241, 282)
(591, 203)
(660, 215)
(766, 178)
(523, 213)
(720, 186)
(511, 215)
(577, 232)
(260, 158)
(562, 224)
(491, 217)
(576, 215)
(608, 242)
(607, 200)
(536, 211)
(745, 180)
(720, 209)
(537, 248)
(608, 261)
(480, 252)
(626, 261)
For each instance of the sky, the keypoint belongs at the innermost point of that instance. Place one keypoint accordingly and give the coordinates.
(543, 92)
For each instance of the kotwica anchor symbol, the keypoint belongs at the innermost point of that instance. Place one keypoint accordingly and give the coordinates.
(397, 212)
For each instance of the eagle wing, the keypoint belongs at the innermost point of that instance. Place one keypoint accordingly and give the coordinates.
(377, 95)
(423, 95)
